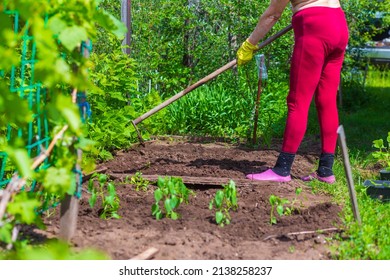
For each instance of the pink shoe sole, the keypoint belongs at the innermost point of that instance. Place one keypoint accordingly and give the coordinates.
(314, 176)
(268, 175)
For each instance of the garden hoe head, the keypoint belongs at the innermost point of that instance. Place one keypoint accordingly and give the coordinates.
(141, 140)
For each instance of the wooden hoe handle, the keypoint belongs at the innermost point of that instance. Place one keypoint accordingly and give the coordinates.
(205, 79)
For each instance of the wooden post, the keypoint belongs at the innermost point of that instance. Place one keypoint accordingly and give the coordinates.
(70, 204)
(68, 219)
(126, 19)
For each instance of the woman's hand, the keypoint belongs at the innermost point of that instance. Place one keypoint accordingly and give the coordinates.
(245, 52)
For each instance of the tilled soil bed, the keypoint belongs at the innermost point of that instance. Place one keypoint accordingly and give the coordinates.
(196, 235)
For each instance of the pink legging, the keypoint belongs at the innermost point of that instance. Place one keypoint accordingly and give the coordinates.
(321, 36)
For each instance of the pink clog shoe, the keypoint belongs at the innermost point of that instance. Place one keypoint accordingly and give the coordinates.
(314, 176)
(268, 175)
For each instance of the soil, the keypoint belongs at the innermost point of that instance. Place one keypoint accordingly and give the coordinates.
(196, 235)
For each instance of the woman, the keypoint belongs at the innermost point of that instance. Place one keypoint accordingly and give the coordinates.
(320, 36)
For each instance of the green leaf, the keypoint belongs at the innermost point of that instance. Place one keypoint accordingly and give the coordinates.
(110, 23)
(378, 144)
(58, 180)
(157, 212)
(115, 215)
(273, 221)
(280, 210)
(63, 107)
(174, 202)
(72, 36)
(174, 215)
(22, 161)
(160, 182)
(109, 200)
(219, 198)
(272, 200)
(56, 24)
(23, 207)
(6, 233)
(111, 189)
(91, 185)
(155, 209)
(92, 200)
(102, 178)
(171, 187)
(158, 195)
(86, 144)
(219, 217)
(167, 205)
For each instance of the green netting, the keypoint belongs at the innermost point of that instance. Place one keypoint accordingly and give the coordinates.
(22, 82)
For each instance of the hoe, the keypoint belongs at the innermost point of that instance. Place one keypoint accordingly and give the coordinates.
(201, 82)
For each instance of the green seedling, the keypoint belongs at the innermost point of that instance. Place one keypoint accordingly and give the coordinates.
(382, 155)
(106, 192)
(283, 206)
(223, 201)
(170, 193)
(138, 182)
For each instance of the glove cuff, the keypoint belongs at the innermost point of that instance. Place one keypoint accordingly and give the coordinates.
(250, 46)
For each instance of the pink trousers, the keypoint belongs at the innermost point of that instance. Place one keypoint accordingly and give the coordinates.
(321, 37)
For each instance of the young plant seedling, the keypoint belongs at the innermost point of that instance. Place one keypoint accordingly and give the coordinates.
(138, 182)
(170, 193)
(280, 204)
(382, 155)
(105, 190)
(223, 201)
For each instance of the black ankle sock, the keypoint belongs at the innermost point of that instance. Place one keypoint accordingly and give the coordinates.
(283, 164)
(325, 165)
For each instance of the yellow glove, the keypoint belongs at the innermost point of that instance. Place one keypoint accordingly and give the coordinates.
(245, 53)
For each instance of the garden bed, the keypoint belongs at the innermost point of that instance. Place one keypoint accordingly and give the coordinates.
(196, 235)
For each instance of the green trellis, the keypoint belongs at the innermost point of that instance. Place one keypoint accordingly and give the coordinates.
(23, 83)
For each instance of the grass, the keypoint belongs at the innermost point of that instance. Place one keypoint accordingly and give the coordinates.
(370, 121)
(371, 239)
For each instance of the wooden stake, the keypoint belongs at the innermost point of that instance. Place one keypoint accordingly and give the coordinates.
(86, 177)
(147, 255)
(68, 220)
(302, 232)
